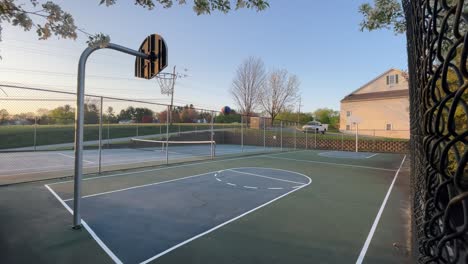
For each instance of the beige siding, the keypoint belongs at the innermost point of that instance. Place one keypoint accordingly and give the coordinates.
(376, 114)
(380, 84)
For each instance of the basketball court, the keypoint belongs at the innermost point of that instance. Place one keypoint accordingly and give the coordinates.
(298, 207)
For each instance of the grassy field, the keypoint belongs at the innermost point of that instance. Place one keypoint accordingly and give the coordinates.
(23, 136)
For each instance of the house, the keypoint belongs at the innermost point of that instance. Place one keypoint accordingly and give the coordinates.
(379, 107)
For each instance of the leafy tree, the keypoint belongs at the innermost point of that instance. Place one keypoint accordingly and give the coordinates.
(231, 118)
(291, 116)
(91, 114)
(188, 115)
(126, 114)
(48, 18)
(3, 115)
(109, 116)
(142, 114)
(327, 116)
(386, 14)
(62, 115)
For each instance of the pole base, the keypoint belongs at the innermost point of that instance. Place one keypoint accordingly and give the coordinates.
(77, 227)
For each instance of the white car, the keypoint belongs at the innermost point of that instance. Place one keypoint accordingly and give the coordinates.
(315, 126)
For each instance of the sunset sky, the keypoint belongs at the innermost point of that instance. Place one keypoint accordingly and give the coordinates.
(319, 41)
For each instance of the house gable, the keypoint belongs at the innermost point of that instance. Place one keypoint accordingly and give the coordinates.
(379, 84)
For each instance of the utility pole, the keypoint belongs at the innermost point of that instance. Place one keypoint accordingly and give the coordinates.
(172, 93)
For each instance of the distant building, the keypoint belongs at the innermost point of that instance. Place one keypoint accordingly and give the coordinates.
(381, 106)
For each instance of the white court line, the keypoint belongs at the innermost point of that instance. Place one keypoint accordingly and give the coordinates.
(377, 218)
(275, 188)
(372, 156)
(262, 176)
(140, 186)
(250, 187)
(232, 184)
(156, 169)
(88, 228)
(329, 163)
(225, 223)
(218, 179)
(72, 157)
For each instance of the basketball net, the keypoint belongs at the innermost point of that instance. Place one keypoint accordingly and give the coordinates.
(166, 82)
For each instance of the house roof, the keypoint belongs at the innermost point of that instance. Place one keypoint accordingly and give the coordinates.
(376, 95)
(403, 73)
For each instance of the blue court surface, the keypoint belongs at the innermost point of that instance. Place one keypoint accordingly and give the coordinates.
(142, 223)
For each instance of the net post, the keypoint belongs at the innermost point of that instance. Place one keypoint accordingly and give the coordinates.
(167, 135)
(35, 132)
(100, 137)
(281, 135)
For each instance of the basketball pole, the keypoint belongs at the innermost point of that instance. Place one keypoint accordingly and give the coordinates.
(79, 122)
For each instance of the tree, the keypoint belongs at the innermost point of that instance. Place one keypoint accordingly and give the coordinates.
(247, 84)
(110, 116)
(62, 115)
(49, 19)
(279, 92)
(327, 116)
(187, 115)
(3, 115)
(91, 113)
(292, 116)
(383, 14)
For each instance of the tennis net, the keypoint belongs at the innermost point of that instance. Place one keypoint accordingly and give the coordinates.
(176, 148)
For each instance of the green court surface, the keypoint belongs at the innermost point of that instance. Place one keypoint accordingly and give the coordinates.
(354, 209)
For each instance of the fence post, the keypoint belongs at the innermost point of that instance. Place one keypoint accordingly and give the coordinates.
(108, 133)
(242, 133)
(306, 131)
(211, 135)
(357, 129)
(35, 132)
(342, 142)
(264, 133)
(137, 128)
(167, 136)
(281, 135)
(295, 135)
(315, 139)
(100, 138)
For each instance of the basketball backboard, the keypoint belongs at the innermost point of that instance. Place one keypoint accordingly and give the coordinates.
(155, 46)
(353, 120)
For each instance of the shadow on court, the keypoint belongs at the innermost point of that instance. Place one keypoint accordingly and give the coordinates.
(294, 207)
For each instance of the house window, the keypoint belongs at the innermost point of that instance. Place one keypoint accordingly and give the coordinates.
(348, 127)
(392, 79)
(348, 113)
(389, 127)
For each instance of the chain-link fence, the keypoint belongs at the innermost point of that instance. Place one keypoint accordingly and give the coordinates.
(437, 51)
(37, 126)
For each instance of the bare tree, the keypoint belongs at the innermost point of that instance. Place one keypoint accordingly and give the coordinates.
(279, 93)
(247, 84)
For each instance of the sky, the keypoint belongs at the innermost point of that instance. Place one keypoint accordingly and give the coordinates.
(319, 41)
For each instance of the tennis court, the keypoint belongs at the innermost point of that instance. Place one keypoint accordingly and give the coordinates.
(289, 207)
(44, 164)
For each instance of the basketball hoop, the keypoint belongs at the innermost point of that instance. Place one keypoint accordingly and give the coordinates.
(166, 82)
